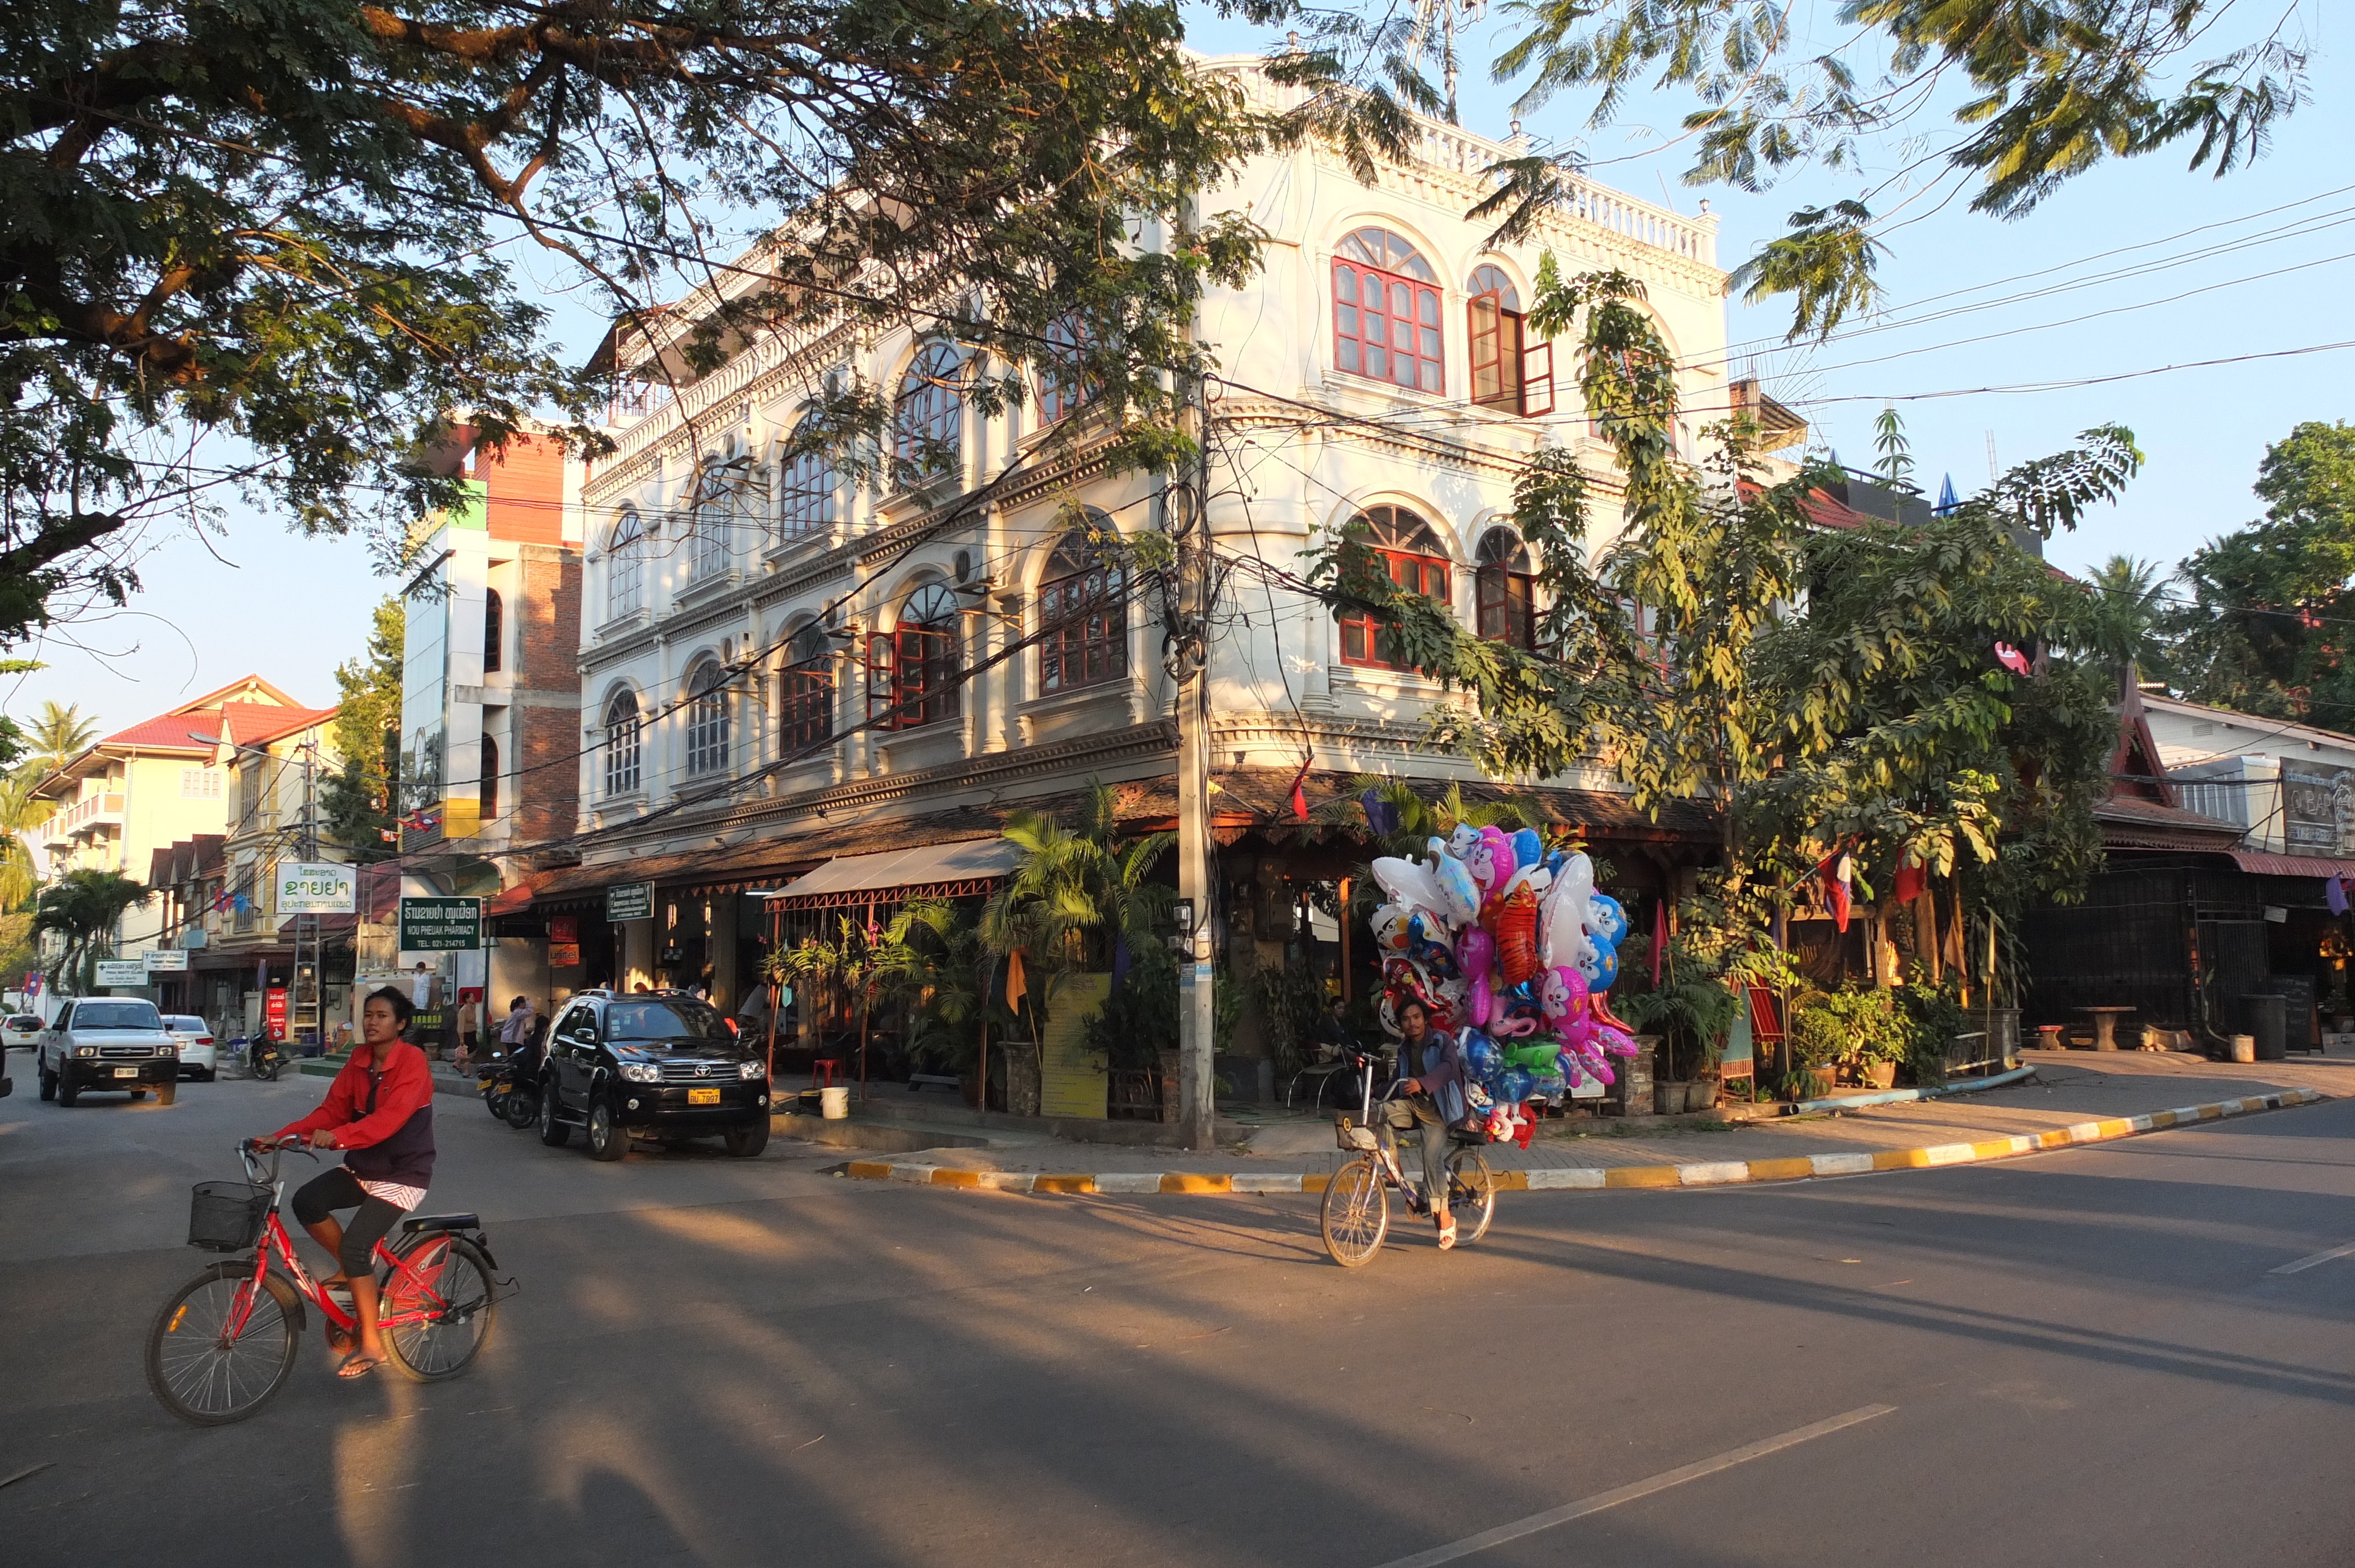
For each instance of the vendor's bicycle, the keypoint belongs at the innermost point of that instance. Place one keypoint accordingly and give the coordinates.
(1356, 1214)
(223, 1344)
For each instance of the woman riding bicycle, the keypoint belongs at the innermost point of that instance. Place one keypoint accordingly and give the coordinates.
(380, 1111)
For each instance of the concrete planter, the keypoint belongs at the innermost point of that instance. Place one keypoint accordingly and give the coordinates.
(1021, 1079)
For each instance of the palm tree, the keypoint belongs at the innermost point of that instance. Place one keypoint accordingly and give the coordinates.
(2131, 603)
(21, 810)
(1070, 885)
(84, 908)
(59, 736)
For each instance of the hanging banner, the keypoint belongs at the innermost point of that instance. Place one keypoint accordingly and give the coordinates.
(1071, 1078)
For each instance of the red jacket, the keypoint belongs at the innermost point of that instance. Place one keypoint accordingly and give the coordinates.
(393, 1124)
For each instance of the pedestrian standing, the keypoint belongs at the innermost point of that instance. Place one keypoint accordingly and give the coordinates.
(515, 1028)
(468, 1009)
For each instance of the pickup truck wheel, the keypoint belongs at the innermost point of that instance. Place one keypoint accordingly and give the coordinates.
(745, 1142)
(49, 1084)
(69, 1092)
(552, 1132)
(167, 1093)
(608, 1138)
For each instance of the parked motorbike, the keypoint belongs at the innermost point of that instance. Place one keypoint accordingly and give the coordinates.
(263, 1059)
(510, 1085)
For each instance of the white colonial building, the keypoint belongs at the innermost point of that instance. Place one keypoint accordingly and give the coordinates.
(1376, 368)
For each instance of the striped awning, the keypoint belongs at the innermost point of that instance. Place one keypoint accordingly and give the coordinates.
(952, 870)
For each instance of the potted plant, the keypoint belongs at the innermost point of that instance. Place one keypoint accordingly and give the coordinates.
(1691, 1015)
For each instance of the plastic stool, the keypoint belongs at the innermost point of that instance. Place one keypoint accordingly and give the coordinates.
(825, 1072)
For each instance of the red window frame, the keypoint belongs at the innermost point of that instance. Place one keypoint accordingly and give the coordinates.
(1367, 339)
(1083, 628)
(806, 697)
(911, 669)
(1503, 592)
(1407, 548)
(1507, 371)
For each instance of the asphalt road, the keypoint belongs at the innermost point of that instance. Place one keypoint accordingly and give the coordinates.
(2084, 1357)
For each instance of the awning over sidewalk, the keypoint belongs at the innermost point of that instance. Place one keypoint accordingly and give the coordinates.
(2259, 865)
(953, 870)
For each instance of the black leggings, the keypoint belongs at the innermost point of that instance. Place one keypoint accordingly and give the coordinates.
(339, 1189)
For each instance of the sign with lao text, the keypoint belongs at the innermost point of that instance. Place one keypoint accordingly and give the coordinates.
(630, 901)
(122, 971)
(316, 887)
(166, 960)
(441, 925)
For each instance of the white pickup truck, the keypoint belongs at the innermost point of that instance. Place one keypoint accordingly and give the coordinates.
(112, 1043)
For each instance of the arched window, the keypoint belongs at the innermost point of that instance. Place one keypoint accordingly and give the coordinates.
(708, 544)
(806, 487)
(624, 565)
(1083, 613)
(1386, 312)
(1508, 372)
(706, 719)
(1502, 588)
(1415, 560)
(490, 780)
(621, 774)
(493, 632)
(928, 427)
(911, 669)
(1061, 388)
(805, 691)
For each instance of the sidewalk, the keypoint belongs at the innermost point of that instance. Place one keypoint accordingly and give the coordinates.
(2075, 1097)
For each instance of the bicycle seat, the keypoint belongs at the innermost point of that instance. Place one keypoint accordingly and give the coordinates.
(409, 1228)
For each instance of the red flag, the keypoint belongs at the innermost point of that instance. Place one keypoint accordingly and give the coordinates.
(1910, 880)
(1835, 872)
(1299, 799)
(2011, 658)
(1659, 938)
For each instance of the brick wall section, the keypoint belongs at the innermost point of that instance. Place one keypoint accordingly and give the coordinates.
(548, 738)
(525, 486)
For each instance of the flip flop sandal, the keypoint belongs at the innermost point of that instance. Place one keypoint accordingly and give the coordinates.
(1447, 1236)
(356, 1365)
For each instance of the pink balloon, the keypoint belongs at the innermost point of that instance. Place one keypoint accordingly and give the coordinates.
(1475, 951)
(1578, 1032)
(1615, 1042)
(1481, 1002)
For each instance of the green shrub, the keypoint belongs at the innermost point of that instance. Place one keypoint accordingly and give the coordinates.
(1853, 1027)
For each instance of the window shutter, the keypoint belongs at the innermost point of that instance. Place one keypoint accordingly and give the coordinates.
(878, 679)
(1536, 380)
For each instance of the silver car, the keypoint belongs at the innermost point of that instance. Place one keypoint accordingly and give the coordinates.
(108, 1042)
(199, 1058)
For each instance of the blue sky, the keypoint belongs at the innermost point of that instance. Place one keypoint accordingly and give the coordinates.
(259, 599)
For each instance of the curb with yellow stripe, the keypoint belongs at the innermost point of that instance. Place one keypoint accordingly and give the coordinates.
(1718, 1173)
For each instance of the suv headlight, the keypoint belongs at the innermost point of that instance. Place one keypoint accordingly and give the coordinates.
(747, 1069)
(168, 1048)
(641, 1072)
(85, 1050)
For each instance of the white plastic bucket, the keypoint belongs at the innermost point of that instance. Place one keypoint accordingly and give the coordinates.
(834, 1104)
(2244, 1047)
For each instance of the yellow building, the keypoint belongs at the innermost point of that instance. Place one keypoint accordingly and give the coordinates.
(147, 788)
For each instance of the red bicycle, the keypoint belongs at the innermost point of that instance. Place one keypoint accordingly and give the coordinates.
(225, 1342)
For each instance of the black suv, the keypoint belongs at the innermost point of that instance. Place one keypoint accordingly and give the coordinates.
(657, 1063)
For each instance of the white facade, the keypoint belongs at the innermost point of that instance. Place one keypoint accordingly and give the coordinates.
(675, 588)
(2291, 786)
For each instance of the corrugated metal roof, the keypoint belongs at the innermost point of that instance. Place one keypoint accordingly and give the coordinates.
(2260, 864)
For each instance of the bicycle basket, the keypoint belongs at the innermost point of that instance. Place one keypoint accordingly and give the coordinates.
(227, 1216)
(1351, 1136)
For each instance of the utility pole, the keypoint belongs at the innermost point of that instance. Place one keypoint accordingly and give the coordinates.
(306, 925)
(1196, 1034)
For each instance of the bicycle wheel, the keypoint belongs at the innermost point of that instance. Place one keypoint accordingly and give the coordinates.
(203, 1373)
(452, 1289)
(1356, 1214)
(1470, 1195)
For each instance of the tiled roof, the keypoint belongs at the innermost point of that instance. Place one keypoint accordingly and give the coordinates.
(256, 724)
(169, 732)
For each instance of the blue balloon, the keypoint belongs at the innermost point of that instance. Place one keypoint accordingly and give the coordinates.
(1609, 921)
(1556, 861)
(1517, 1085)
(1601, 970)
(1481, 1056)
(1529, 849)
(1548, 1085)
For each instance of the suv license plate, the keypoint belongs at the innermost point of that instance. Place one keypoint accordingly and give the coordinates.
(126, 1072)
(703, 1097)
